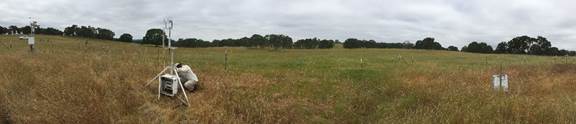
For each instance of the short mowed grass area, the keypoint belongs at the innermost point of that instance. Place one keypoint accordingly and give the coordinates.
(77, 80)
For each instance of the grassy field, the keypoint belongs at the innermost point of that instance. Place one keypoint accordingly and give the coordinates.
(74, 80)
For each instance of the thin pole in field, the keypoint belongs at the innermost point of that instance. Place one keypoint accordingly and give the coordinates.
(158, 56)
(501, 69)
(500, 76)
(566, 59)
(362, 63)
(486, 60)
(226, 59)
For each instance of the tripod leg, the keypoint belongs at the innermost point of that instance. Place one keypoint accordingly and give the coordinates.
(182, 87)
(159, 87)
(181, 100)
(155, 77)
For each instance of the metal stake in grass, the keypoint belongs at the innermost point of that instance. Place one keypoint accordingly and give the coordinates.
(486, 60)
(226, 59)
(566, 59)
(361, 63)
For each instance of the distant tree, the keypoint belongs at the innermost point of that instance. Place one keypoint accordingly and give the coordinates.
(192, 42)
(279, 41)
(153, 36)
(25, 30)
(519, 45)
(428, 43)
(532, 46)
(326, 44)
(563, 52)
(49, 31)
(14, 30)
(217, 43)
(464, 48)
(229, 42)
(407, 45)
(502, 48)
(355, 43)
(476, 47)
(553, 51)
(572, 53)
(3, 30)
(83, 31)
(245, 42)
(259, 41)
(87, 32)
(125, 37)
(311, 43)
(242, 42)
(369, 44)
(452, 48)
(486, 48)
(104, 34)
(287, 41)
(352, 43)
(337, 42)
(539, 46)
(71, 31)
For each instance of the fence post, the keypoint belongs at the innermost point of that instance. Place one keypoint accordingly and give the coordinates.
(226, 59)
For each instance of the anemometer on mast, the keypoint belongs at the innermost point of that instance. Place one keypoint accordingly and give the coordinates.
(169, 24)
(169, 83)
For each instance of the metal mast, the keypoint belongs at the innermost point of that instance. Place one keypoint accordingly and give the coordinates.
(170, 26)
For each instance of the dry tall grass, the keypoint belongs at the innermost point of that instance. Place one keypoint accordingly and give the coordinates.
(69, 81)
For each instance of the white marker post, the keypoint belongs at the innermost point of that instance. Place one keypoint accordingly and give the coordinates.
(500, 82)
(31, 43)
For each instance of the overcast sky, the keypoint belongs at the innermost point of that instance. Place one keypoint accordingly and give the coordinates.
(451, 22)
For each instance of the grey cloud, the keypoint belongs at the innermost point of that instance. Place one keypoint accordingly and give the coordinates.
(452, 22)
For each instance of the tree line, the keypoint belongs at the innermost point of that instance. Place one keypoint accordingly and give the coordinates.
(27, 30)
(518, 45)
(89, 32)
(95, 32)
(73, 31)
(427, 43)
(276, 41)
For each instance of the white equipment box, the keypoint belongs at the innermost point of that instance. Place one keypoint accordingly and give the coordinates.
(169, 84)
(500, 82)
(30, 40)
